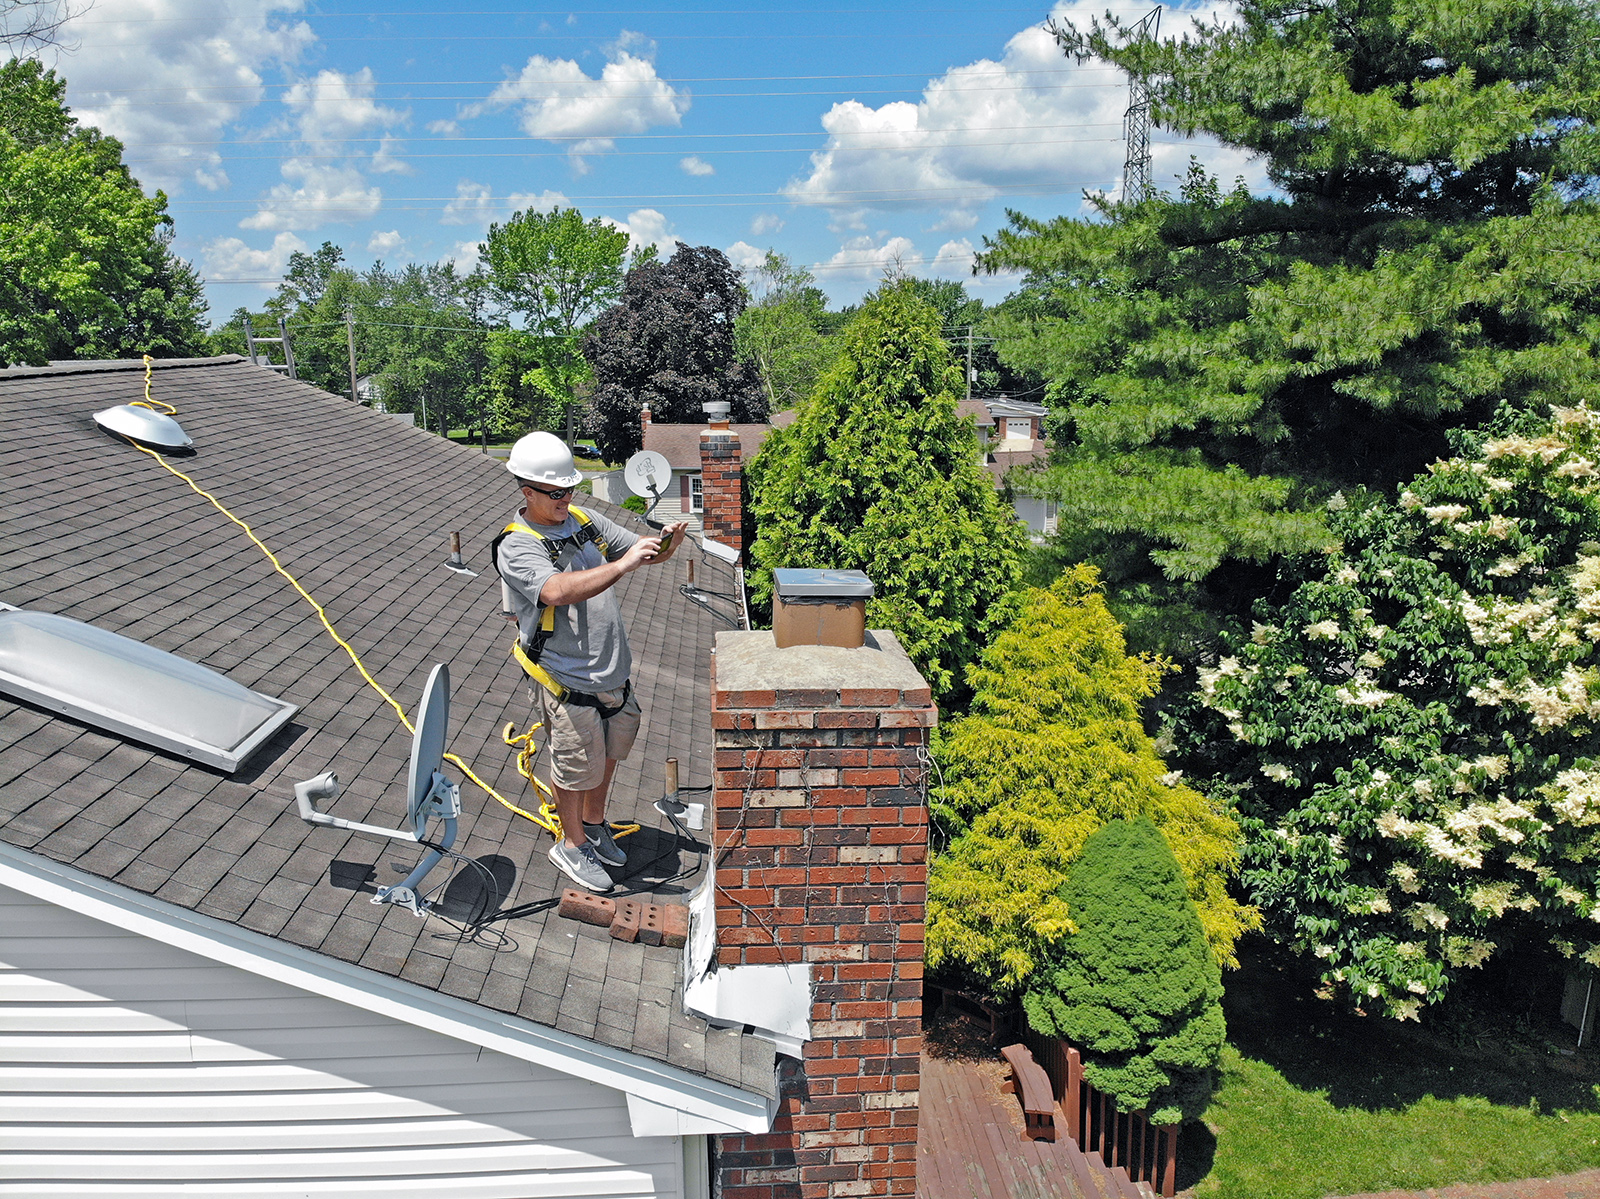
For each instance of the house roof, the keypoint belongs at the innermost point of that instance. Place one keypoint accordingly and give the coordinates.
(1002, 461)
(978, 410)
(681, 443)
(358, 506)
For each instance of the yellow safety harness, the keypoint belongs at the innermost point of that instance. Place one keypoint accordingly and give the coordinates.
(546, 817)
(528, 654)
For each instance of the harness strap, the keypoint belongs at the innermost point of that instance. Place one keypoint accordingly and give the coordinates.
(528, 654)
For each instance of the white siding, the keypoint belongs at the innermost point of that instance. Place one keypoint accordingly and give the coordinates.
(129, 1067)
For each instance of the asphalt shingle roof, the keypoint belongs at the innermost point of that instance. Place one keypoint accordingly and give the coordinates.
(358, 506)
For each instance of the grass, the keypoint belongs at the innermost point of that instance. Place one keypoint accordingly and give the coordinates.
(1315, 1102)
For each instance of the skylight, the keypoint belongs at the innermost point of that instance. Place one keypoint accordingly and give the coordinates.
(126, 687)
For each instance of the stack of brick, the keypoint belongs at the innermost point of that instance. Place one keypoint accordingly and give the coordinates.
(722, 485)
(821, 836)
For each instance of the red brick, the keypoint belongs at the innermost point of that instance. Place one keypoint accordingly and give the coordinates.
(846, 720)
(881, 835)
(744, 699)
(784, 720)
(901, 718)
(675, 929)
(625, 924)
(868, 697)
(590, 909)
(871, 778)
(653, 924)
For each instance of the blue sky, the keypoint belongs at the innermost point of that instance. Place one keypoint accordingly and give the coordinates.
(847, 138)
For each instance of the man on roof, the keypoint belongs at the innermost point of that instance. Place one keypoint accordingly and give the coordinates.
(558, 565)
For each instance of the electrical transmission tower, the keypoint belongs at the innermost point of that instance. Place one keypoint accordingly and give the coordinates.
(1136, 122)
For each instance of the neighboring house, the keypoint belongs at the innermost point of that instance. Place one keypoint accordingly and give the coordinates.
(685, 498)
(1011, 434)
(196, 995)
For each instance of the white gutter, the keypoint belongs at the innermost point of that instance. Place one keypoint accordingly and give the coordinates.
(656, 1084)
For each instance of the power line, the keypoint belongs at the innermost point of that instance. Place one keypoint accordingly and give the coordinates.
(670, 153)
(636, 137)
(670, 79)
(391, 14)
(578, 93)
(691, 198)
(865, 265)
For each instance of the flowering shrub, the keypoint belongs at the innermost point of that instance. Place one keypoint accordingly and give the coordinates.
(1411, 738)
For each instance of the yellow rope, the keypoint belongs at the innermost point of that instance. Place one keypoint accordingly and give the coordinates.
(547, 818)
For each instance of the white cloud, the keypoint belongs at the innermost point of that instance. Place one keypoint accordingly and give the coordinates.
(1033, 119)
(386, 243)
(647, 227)
(475, 204)
(863, 258)
(443, 128)
(230, 258)
(695, 165)
(167, 77)
(745, 256)
(557, 101)
(328, 113)
(315, 195)
(953, 260)
(464, 255)
(335, 107)
(766, 222)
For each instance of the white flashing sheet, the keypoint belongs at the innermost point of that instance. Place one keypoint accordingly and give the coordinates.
(115, 683)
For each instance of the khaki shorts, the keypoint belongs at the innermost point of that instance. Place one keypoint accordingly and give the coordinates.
(580, 742)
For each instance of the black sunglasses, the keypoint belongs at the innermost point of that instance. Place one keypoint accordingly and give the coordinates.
(560, 493)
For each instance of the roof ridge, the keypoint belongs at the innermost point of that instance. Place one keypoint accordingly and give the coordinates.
(107, 365)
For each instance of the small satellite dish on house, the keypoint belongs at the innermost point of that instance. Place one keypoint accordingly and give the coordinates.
(146, 425)
(647, 474)
(429, 796)
(427, 748)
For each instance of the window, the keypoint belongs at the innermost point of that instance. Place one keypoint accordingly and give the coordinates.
(697, 498)
(115, 683)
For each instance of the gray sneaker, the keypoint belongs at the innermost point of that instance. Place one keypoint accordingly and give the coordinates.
(604, 844)
(581, 865)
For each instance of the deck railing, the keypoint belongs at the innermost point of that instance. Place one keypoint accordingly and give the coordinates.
(1126, 1141)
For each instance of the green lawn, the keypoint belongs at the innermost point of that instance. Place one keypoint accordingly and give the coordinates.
(1275, 1140)
(1316, 1102)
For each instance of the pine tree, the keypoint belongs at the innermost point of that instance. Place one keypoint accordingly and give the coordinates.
(1225, 362)
(1053, 748)
(1135, 988)
(879, 474)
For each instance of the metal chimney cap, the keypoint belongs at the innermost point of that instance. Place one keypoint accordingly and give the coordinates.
(717, 409)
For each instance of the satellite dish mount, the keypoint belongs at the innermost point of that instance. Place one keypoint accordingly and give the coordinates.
(429, 796)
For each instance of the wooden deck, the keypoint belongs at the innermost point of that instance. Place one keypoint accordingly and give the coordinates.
(970, 1143)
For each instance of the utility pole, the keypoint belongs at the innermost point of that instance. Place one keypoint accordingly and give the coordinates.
(350, 341)
(969, 363)
(1136, 122)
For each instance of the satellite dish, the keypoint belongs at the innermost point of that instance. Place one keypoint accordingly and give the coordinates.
(138, 423)
(427, 745)
(647, 474)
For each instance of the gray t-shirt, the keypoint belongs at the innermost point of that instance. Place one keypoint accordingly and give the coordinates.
(588, 650)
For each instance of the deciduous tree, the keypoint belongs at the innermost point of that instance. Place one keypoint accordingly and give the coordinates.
(85, 268)
(669, 343)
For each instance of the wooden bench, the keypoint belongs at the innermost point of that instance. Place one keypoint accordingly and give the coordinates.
(1031, 1084)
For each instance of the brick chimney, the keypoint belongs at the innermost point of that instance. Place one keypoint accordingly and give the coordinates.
(644, 419)
(821, 835)
(722, 479)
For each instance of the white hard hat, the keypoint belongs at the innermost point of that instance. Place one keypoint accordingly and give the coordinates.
(543, 458)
